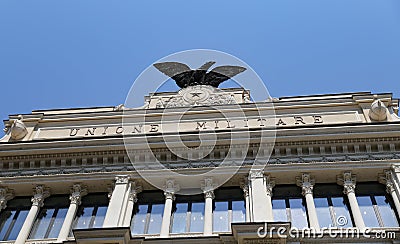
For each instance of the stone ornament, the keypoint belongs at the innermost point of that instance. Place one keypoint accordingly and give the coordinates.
(39, 194)
(348, 180)
(170, 189)
(378, 111)
(5, 195)
(135, 190)
(18, 129)
(77, 192)
(306, 183)
(197, 96)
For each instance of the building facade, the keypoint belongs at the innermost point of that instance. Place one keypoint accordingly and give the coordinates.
(332, 168)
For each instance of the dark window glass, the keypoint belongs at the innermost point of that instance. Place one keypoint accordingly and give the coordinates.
(13, 217)
(289, 205)
(332, 206)
(92, 211)
(229, 207)
(148, 213)
(51, 216)
(376, 206)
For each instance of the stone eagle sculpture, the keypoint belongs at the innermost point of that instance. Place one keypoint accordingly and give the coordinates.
(184, 76)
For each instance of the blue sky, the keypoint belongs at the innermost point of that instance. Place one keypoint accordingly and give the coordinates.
(78, 53)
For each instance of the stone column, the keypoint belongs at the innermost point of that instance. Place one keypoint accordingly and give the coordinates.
(39, 194)
(208, 190)
(170, 189)
(77, 192)
(132, 199)
(307, 184)
(387, 179)
(244, 184)
(349, 183)
(5, 195)
(116, 205)
(260, 189)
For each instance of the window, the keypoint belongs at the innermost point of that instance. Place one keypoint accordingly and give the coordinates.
(288, 205)
(229, 207)
(50, 218)
(13, 217)
(148, 213)
(92, 211)
(376, 205)
(188, 214)
(332, 206)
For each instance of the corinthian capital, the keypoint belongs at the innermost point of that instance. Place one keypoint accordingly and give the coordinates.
(170, 189)
(269, 184)
(39, 194)
(348, 181)
(387, 179)
(135, 189)
(244, 184)
(5, 195)
(208, 187)
(77, 192)
(306, 183)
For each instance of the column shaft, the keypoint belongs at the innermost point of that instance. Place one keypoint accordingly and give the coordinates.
(355, 210)
(69, 218)
(247, 208)
(170, 189)
(396, 201)
(166, 221)
(312, 213)
(27, 226)
(208, 214)
(77, 192)
(348, 180)
(306, 182)
(40, 193)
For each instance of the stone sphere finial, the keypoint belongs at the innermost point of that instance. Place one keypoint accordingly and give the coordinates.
(378, 111)
(18, 130)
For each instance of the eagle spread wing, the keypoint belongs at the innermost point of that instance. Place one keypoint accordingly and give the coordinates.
(179, 72)
(222, 73)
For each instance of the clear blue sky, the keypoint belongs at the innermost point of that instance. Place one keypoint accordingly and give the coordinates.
(78, 53)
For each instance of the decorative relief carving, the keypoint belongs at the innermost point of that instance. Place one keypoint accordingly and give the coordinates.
(244, 184)
(208, 187)
(197, 96)
(269, 184)
(77, 192)
(387, 179)
(135, 189)
(39, 194)
(378, 111)
(306, 183)
(5, 195)
(17, 129)
(348, 180)
(170, 188)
